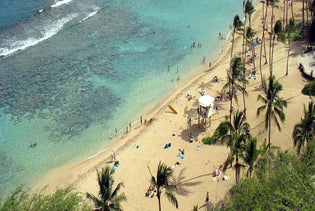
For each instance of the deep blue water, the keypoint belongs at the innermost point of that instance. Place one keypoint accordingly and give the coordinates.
(72, 71)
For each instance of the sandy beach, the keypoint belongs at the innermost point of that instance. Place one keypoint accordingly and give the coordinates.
(195, 171)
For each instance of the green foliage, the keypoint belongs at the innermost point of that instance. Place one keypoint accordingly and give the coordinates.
(109, 197)
(221, 131)
(304, 131)
(162, 182)
(278, 27)
(285, 186)
(209, 140)
(309, 89)
(308, 158)
(273, 104)
(62, 199)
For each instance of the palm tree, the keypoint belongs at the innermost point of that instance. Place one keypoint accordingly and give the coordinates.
(263, 42)
(233, 77)
(290, 34)
(248, 10)
(273, 105)
(109, 197)
(277, 31)
(305, 130)
(237, 140)
(249, 36)
(162, 181)
(237, 23)
(250, 155)
(273, 3)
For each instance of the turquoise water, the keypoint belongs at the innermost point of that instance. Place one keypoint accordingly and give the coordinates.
(73, 71)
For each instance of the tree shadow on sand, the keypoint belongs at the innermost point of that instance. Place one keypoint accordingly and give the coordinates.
(183, 184)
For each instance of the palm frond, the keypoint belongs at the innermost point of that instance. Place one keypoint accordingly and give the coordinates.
(171, 197)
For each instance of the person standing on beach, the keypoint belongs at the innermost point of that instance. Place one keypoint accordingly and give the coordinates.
(207, 197)
(113, 156)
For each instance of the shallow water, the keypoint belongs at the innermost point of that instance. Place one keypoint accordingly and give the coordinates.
(72, 73)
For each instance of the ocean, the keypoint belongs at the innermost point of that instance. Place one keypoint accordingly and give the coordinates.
(72, 71)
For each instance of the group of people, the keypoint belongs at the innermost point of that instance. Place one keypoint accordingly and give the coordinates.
(194, 45)
(222, 36)
(150, 192)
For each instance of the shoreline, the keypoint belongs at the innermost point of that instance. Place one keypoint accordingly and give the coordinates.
(199, 163)
(118, 142)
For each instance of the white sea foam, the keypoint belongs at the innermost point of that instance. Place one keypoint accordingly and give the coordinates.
(90, 15)
(47, 32)
(59, 3)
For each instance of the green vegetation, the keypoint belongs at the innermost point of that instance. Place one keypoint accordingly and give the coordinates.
(281, 184)
(62, 199)
(273, 104)
(162, 181)
(109, 197)
(305, 130)
(309, 89)
(221, 131)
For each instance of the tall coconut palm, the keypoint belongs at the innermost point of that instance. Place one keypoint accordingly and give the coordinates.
(250, 154)
(109, 197)
(235, 78)
(162, 181)
(263, 41)
(292, 10)
(273, 104)
(305, 130)
(237, 141)
(249, 36)
(273, 4)
(276, 32)
(237, 23)
(290, 36)
(248, 10)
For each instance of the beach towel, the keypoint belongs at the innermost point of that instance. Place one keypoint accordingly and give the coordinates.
(180, 155)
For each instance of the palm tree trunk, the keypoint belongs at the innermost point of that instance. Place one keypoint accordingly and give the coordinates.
(244, 85)
(260, 68)
(292, 13)
(253, 53)
(303, 20)
(272, 50)
(269, 132)
(233, 36)
(270, 42)
(306, 12)
(243, 45)
(237, 171)
(263, 43)
(284, 12)
(264, 39)
(159, 199)
(231, 101)
(288, 56)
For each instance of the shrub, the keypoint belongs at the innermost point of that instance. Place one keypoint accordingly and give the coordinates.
(209, 140)
(309, 89)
